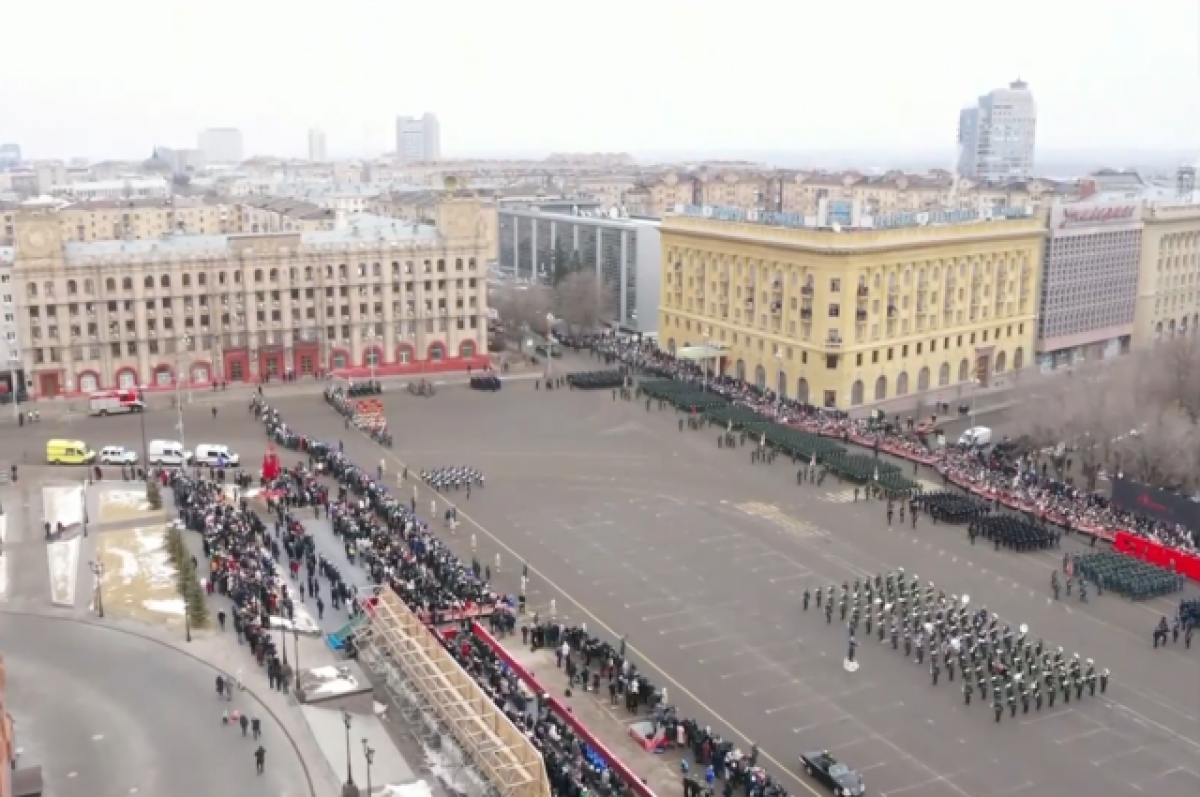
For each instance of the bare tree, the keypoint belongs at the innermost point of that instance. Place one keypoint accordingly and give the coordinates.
(521, 308)
(1172, 375)
(1162, 451)
(583, 302)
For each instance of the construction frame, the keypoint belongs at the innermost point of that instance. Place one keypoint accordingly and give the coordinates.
(503, 754)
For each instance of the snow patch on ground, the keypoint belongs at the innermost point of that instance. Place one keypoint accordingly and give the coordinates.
(302, 623)
(175, 607)
(417, 789)
(63, 505)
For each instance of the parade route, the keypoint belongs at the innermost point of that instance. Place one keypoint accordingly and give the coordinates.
(701, 558)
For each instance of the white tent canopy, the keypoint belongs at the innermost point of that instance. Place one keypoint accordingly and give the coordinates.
(701, 352)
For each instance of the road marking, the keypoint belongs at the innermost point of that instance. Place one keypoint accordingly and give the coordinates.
(681, 629)
(1083, 735)
(1102, 761)
(713, 641)
(650, 618)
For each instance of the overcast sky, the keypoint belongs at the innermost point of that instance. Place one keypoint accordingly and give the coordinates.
(112, 78)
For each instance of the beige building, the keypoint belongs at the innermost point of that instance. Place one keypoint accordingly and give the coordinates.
(419, 205)
(862, 316)
(281, 214)
(1168, 298)
(381, 298)
(144, 219)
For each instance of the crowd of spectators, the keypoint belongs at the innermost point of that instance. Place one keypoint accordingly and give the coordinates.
(1016, 480)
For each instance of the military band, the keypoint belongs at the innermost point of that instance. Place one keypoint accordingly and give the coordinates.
(1003, 665)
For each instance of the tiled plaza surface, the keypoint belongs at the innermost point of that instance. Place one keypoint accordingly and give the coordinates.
(701, 557)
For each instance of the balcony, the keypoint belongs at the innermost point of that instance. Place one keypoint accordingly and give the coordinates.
(777, 286)
(806, 314)
(776, 308)
(833, 343)
(863, 291)
(860, 316)
(807, 290)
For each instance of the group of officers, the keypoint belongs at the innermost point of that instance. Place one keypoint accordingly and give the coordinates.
(995, 661)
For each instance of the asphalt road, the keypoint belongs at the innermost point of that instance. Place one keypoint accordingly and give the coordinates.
(701, 557)
(109, 713)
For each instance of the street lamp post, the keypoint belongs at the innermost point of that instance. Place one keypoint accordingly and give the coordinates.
(98, 572)
(187, 340)
(549, 345)
(348, 788)
(145, 450)
(369, 754)
(778, 378)
(296, 642)
(187, 617)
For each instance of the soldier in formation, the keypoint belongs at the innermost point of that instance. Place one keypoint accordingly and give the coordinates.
(994, 660)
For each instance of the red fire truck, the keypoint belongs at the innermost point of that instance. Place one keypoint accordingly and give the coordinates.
(114, 402)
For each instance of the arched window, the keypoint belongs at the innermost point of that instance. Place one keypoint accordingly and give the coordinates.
(88, 382)
(902, 384)
(881, 388)
(187, 280)
(467, 350)
(148, 282)
(31, 290)
(258, 275)
(471, 263)
(923, 379)
(339, 360)
(165, 281)
(47, 288)
(458, 264)
(436, 353)
(1001, 362)
(760, 377)
(856, 393)
(802, 391)
(273, 275)
(308, 272)
(372, 358)
(740, 372)
(201, 278)
(1018, 359)
(671, 346)
(944, 375)
(964, 371)
(72, 288)
(110, 284)
(404, 356)
(781, 382)
(127, 283)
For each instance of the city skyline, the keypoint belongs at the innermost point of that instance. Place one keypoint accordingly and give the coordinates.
(491, 104)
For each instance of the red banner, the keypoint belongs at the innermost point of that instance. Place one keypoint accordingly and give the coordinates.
(1185, 564)
(563, 713)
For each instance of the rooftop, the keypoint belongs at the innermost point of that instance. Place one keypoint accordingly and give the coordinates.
(897, 231)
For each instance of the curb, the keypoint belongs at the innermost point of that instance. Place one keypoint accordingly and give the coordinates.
(312, 789)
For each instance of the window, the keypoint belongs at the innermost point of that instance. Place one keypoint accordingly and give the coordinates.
(436, 352)
(834, 310)
(875, 357)
(835, 285)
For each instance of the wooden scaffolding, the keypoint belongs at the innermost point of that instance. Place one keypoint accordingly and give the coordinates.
(502, 753)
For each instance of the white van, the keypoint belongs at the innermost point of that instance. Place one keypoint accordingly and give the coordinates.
(212, 454)
(168, 452)
(976, 437)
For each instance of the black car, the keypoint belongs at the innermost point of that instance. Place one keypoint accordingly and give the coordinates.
(841, 779)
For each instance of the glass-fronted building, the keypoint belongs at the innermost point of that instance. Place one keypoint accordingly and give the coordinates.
(625, 255)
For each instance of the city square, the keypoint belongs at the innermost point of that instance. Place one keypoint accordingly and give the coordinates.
(700, 558)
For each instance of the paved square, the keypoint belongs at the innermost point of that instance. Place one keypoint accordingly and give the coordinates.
(701, 557)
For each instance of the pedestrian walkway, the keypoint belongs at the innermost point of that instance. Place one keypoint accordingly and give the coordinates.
(609, 724)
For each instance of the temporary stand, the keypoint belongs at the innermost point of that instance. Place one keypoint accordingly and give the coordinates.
(427, 681)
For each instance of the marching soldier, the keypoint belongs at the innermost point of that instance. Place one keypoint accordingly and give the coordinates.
(966, 689)
(934, 670)
(1104, 681)
(806, 597)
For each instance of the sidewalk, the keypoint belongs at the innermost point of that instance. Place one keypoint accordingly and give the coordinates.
(608, 724)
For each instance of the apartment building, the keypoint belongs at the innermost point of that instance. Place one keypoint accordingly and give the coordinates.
(260, 215)
(144, 219)
(11, 375)
(841, 319)
(377, 295)
(1168, 288)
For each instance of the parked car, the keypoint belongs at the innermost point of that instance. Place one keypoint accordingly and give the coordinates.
(168, 452)
(215, 454)
(117, 455)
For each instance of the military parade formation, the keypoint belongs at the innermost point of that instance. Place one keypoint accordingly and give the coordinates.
(1001, 664)
(452, 478)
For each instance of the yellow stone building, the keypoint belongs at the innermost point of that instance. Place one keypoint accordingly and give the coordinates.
(843, 319)
(1168, 303)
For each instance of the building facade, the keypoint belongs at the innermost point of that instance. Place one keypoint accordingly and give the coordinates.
(11, 375)
(418, 140)
(222, 145)
(1168, 294)
(10, 155)
(316, 146)
(624, 254)
(195, 309)
(128, 188)
(996, 137)
(842, 319)
(144, 219)
(1089, 282)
